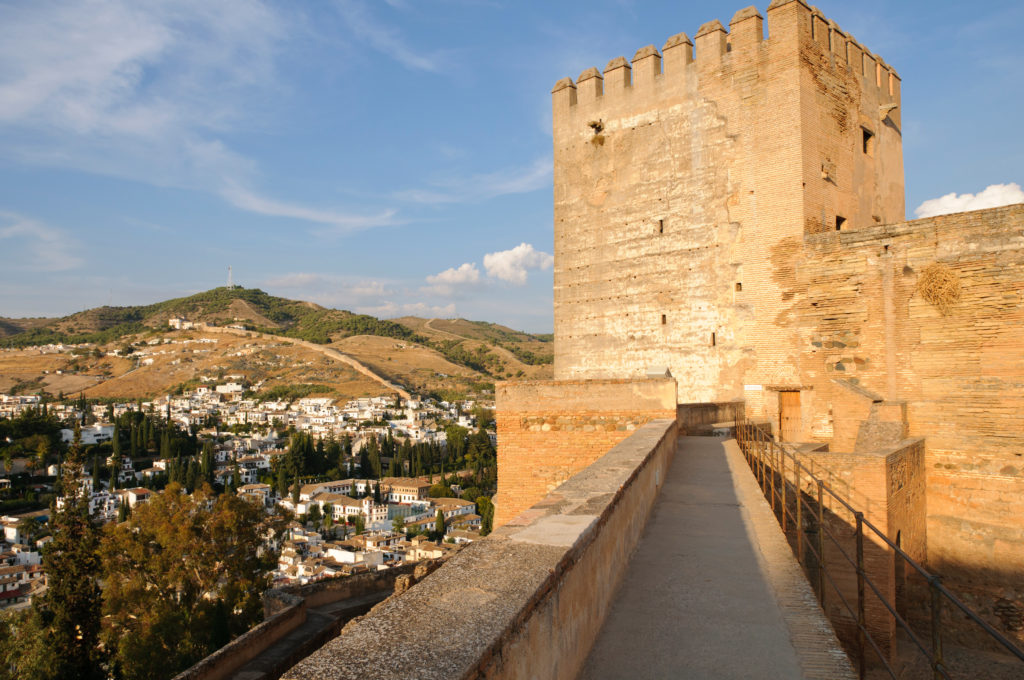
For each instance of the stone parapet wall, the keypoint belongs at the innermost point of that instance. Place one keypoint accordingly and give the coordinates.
(285, 609)
(550, 430)
(528, 600)
(693, 418)
(225, 661)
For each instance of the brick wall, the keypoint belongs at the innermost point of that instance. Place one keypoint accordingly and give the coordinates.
(549, 430)
(863, 320)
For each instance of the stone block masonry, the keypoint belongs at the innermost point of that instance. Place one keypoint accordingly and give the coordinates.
(684, 182)
(732, 207)
(958, 374)
(550, 430)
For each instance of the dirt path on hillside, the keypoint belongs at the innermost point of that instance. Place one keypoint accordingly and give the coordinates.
(326, 351)
(494, 347)
(438, 330)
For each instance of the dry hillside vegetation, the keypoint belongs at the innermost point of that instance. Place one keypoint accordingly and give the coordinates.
(177, 366)
(433, 356)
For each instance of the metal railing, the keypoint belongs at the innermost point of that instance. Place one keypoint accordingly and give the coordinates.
(768, 461)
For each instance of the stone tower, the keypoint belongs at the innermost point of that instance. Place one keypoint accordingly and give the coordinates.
(686, 183)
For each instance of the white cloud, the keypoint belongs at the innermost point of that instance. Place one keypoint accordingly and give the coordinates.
(254, 203)
(128, 68)
(481, 187)
(992, 196)
(332, 290)
(390, 310)
(512, 265)
(385, 39)
(29, 245)
(446, 282)
(145, 90)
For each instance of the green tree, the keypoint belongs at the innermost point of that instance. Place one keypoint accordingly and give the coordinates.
(440, 490)
(439, 524)
(281, 484)
(69, 613)
(236, 478)
(485, 508)
(30, 529)
(296, 491)
(42, 452)
(398, 524)
(180, 566)
(360, 524)
(208, 464)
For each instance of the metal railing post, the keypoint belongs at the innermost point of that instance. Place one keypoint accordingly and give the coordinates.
(938, 668)
(760, 459)
(799, 515)
(821, 544)
(771, 449)
(861, 617)
(782, 482)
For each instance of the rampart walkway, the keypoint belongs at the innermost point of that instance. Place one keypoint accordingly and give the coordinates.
(713, 590)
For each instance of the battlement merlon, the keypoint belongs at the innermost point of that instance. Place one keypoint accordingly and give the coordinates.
(789, 21)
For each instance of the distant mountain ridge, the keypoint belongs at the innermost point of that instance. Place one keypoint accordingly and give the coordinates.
(484, 347)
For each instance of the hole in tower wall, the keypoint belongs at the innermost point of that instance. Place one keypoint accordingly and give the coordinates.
(713, 340)
(661, 226)
(868, 139)
(739, 286)
(664, 320)
(840, 222)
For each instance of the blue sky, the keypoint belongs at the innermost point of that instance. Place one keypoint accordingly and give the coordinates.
(388, 156)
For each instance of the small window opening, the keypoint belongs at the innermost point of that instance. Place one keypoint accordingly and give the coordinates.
(663, 320)
(661, 226)
(840, 221)
(712, 339)
(869, 141)
(739, 286)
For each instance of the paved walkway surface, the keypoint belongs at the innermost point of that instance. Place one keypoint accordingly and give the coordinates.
(713, 590)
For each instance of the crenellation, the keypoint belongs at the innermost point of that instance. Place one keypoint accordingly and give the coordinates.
(589, 86)
(837, 41)
(618, 76)
(711, 44)
(646, 66)
(746, 29)
(563, 95)
(819, 28)
(855, 56)
(678, 54)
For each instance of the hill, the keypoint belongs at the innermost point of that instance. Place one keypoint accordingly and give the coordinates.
(444, 357)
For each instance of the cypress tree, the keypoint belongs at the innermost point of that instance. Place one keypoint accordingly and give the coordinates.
(281, 485)
(71, 607)
(209, 462)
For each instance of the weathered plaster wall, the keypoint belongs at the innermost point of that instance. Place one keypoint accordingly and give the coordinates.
(550, 430)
